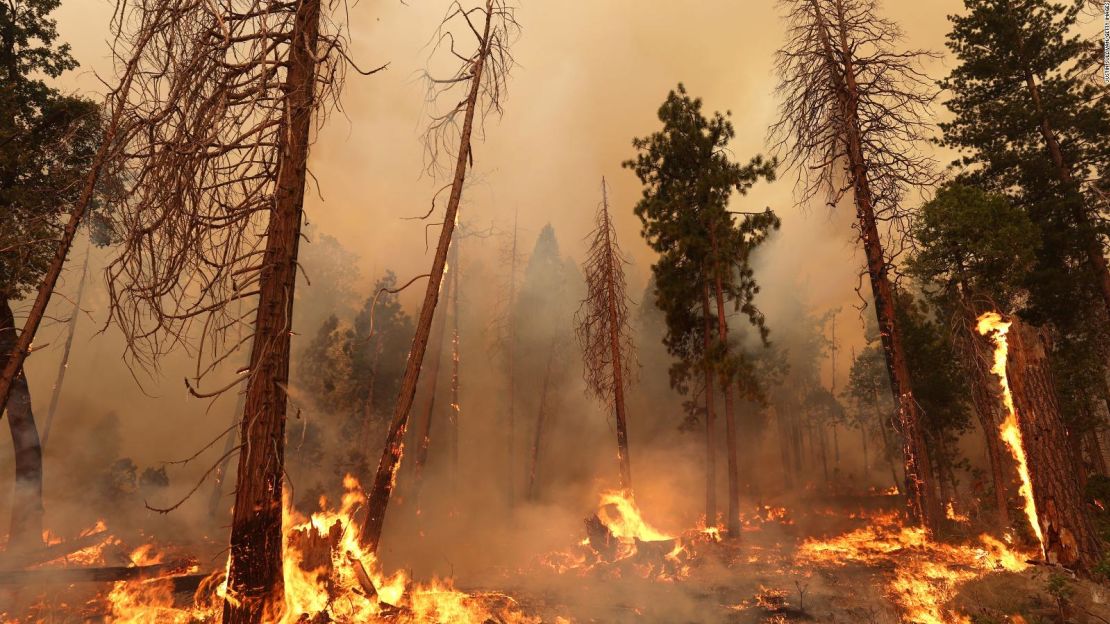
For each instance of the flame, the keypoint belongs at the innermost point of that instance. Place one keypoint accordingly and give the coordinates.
(926, 574)
(621, 514)
(953, 515)
(344, 584)
(992, 323)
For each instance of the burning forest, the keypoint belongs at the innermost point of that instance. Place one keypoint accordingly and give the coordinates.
(496, 312)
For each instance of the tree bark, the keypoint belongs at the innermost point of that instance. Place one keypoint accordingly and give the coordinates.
(988, 403)
(921, 490)
(378, 501)
(56, 393)
(25, 531)
(1069, 536)
(710, 424)
(255, 578)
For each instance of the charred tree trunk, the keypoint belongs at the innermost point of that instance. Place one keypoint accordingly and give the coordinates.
(255, 582)
(378, 500)
(425, 433)
(541, 417)
(710, 422)
(920, 488)
(25, 531)
(1069, 536)
(56, 393)
(987, 403)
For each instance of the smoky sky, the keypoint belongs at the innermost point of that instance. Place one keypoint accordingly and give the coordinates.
(589, 77)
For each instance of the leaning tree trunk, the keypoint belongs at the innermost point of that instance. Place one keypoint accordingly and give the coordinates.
(921, 493)
(733, 521)
(25, 531)
(420, 459)
(378, 501)
(710, 420)
(255, 581)
(56, 393)
(1069, 536)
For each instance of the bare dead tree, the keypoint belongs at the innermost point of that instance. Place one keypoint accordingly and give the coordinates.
(603, 329)
(482, 76)
(854, 110)
(226, 97)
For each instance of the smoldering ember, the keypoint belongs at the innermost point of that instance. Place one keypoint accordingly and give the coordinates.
(523, 312)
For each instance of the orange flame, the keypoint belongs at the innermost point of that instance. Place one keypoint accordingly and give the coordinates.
(992, 323)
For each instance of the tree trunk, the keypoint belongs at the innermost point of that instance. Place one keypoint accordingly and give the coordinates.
(784, 450)
(541, 417)
(733, 520)
(425, 433)
(1094, 449)
(920, 490)
(25, 531)
(987, 402)
(56, 393)
(378, 501)
(1069, 536)
(255, 582)
(822, 447)
(1096, 254)
(710, 424)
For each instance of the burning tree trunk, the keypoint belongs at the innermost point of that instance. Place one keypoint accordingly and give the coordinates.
(484, 74)
(425, 433)
(255, 578)
(710, 420)
(217, 166)
(839, 66)
(25, 530)
(987, 403)
(1040, 443)
(603, 329)
(56, 393)
(541, 418)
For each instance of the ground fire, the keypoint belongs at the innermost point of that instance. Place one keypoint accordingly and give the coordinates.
(505, 312)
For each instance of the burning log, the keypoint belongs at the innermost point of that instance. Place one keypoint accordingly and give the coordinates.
(110, 574)
(25, 558)
(601, 539)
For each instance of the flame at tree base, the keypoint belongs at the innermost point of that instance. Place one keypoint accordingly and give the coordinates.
(1010, 432)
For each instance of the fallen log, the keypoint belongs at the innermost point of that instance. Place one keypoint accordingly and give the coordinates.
(26, 558)
(109, 574)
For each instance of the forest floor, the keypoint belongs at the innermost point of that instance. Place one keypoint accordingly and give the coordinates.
(842, 560)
